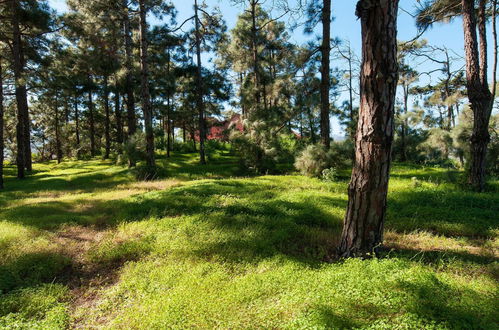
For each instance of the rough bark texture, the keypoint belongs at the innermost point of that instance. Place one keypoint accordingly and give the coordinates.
(363, 224)
(479, 94)
(199, 83)
(325, 80)
(144, 77)
(1, 125)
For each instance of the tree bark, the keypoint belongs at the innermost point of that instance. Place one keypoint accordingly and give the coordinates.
(325, 80)
(367, 192)
(145, 96)
(199, 83)
(479, 94)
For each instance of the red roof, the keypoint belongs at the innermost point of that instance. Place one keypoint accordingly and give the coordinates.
(218, 129)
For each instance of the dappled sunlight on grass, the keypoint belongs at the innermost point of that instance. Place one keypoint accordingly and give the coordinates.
(209, 247)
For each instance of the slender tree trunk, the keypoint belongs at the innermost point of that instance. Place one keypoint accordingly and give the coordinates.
(145, 96)
(403, 151)
(77, 126)
(119, 119)
(20, 91)
(107, 121)
(130, 97)
(184, 133)
(1, 126)
(91, 123)
(168, 111)
(199, 83)
(58, 147)
(168, 128)
(367, 192)
(479, 94)
(325, 80)
(254, 49)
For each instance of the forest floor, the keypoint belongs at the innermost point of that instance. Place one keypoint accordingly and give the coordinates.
(84, 245)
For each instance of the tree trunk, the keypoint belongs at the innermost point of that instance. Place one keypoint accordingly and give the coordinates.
(20, 91)
(199, 83)
(403, 132)
(1, 126)
(58, 148)
(325, 80)
(367, 192)
(130, 97)
(91, 123)
(479, 94)
(107, 120)
(119, 119)
(254, 49)
(145, 96)
(168, 111)
(77, 126)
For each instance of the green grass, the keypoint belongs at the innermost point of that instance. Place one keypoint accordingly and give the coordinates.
(83, 244)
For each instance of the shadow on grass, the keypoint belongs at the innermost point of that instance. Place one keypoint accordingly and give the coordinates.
(32, 269)
(449, 213)
(452, 306)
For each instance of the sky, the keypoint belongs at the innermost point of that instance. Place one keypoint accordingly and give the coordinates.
(346, 27)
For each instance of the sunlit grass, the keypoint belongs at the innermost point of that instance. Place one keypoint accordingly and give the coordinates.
(208, 247)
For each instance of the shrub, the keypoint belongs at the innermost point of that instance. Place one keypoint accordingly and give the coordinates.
(135, 147)
(257, 147)
(330, 174)
(314, 159)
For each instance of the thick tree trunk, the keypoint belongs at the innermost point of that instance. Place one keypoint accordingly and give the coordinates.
(479, 94)
(1, 126)
(325, 80)
(145, 96)
(199, 83)
(107, 120)
(130, 97)
(91, 122)
(367, 193)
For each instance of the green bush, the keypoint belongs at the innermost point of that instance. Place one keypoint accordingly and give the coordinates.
(314, 159)
(330, 174)
(135, 147)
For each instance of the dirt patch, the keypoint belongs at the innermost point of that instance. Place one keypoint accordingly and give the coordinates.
(85, 279)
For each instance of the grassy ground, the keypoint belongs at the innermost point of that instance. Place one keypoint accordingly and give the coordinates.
(82, 244)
